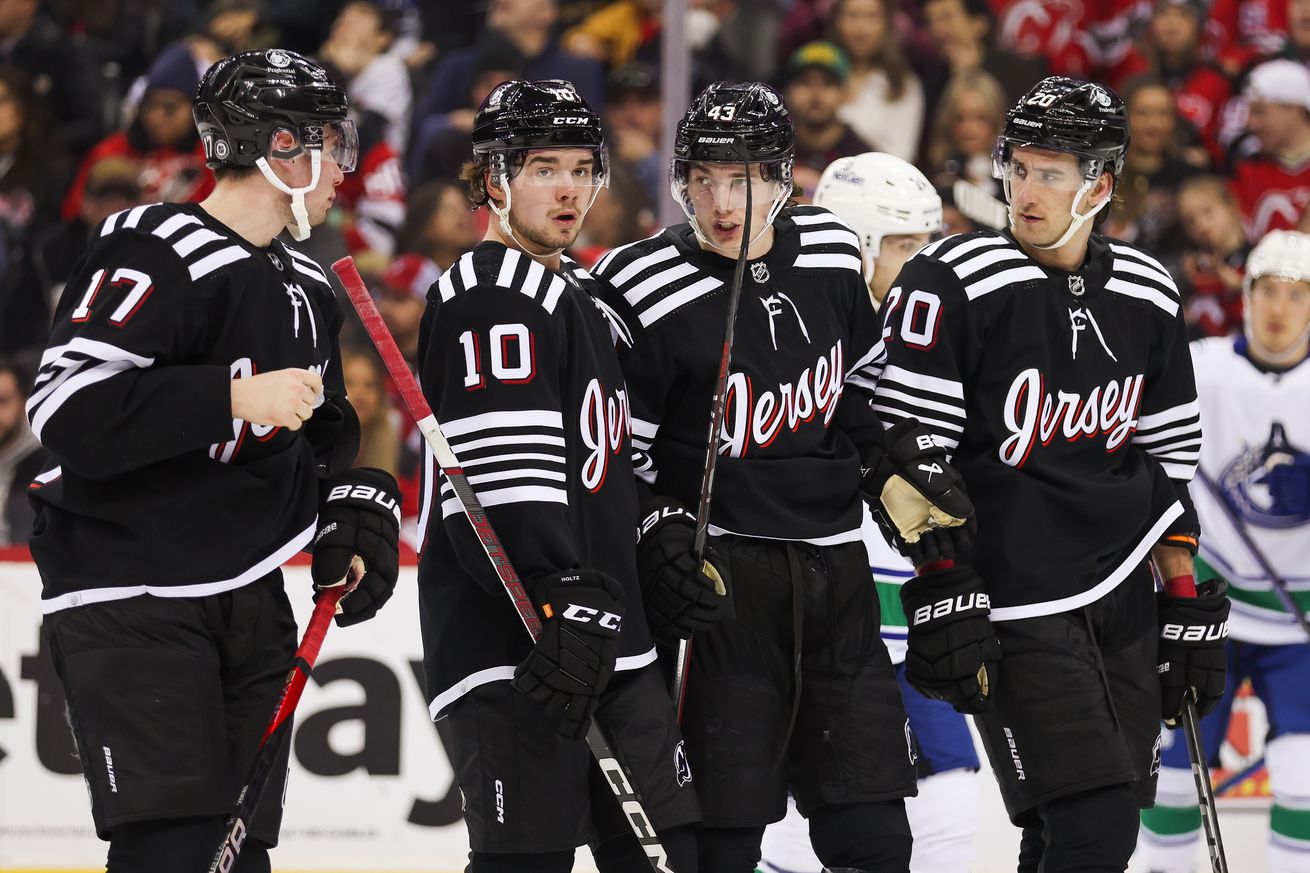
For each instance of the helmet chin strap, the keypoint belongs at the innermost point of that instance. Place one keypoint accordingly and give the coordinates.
(502, 214)
(299, 230)
(1076, 221)
(779, 201)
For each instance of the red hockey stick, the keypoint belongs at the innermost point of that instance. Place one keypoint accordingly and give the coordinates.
(615, 776)
(238, 825)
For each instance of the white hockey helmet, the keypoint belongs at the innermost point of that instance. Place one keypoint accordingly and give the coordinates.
(1284, 254)
(879, 195)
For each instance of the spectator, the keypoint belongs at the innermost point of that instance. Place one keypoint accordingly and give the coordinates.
(20, 456)
(1145, 208)
(884, 103)
(1057, 31)
(633, 115)
(1171, 50)
(816, 81)
(529, 26)
(613, 34)
(961, 32)
(1210, 271)
(62, 72)
(1272, 186)
(968, 120)
(622, 214)
(439, 224)
(403, 294)
(35, 278)
(32, 171)
(1240, 32)
(162, 137)
(366, 388)
(375, 80)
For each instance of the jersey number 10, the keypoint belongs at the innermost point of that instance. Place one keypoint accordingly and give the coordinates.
(507, 343)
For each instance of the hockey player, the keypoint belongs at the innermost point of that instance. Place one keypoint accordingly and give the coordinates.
(792, 690)
(192, 401)
(517, 360)
(1257, 433)
(1052, 362)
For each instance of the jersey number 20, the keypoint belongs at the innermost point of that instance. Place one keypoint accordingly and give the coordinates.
(512, 355)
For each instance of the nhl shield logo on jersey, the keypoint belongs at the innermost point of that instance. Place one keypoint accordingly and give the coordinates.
(1077, 287)
(760, 272)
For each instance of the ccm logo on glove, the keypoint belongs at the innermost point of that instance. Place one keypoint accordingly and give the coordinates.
(366, 493)
(977, 600)
(1194, 633)
(586, 615)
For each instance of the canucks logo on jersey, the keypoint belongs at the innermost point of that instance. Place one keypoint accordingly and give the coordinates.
(1269, 485)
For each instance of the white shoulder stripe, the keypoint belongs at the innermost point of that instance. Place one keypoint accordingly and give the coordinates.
(553, 293)
(446, 285)
(519, 418)
(651, 284)
(1000, 280)
(313, 274)
(111, 223)
(531, 282)
(604, 262)
(134, 215)
(677, 299)
(505, 278)
(194, 240)
(980, 242)
(820, 237)
(1143, 292)
(1121, 249)
(837, 261)
(173, 224)
(220, 258)
(645, 261)
(967, 268)
(820, 218)
(467, 275)
(931, 248)
(1137, 268)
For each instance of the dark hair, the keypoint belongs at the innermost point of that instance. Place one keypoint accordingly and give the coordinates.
(890, 56)
(35, 145)
(421, 204)
(19, 372)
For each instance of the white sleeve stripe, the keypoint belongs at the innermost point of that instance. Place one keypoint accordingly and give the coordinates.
(1189, 430)
(964, 248)
(520, 418)
(508, 440)
(820, 261)
(651, 284)
(965, 269)
(553, 293)
(1179, 471)
(681, 298)
(466, 273)
(220, 258)
(641, 444)
(865, 382)
(134, 216)
(1001, 279)
(641, 427)
(873, 356)
(194, 240)
(501, 496)
(94, 349)
(1143, 292)
(505, 278)
(923, 382)
(887, 391)
(822, 237)
(426, 497)
(515, 458)
(61, 394)
(509, 475)
(894, 412)
(1177, 456)
(173, 224)
(1168, 416)
(1146, 272)
(622, 276)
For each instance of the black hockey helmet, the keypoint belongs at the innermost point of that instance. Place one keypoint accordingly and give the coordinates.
(243, 100)
(1067, 115)
(727, 113)
(547, 114)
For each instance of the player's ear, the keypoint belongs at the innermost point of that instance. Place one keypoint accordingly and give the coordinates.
(492, 182)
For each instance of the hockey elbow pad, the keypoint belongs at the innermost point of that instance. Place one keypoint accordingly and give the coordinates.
(953, 652)
(1193, 653)
(916, 489)
(681, 596)
(571, 663)
(359, 515)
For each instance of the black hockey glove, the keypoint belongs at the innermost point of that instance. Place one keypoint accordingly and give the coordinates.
(953, 652)
(921, 501)
(573, 659)
(333, 432)
(359, 515)
(681, 598)
(1193, 656)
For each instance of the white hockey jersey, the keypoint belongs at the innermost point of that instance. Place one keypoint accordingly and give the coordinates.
(1257, 450)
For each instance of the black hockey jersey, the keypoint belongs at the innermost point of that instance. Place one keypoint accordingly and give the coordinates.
(1068, 402)
(153, 487)
(798, 420)
(518, 364)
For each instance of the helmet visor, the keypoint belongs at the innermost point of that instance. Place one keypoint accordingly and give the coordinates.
(340, 143)
(705, 188)
(1014, 162)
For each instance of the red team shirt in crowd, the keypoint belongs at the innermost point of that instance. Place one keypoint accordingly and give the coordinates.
(1271, 195)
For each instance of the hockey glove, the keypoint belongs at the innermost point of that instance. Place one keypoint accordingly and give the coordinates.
(953, 652)
(360, 515)
(920, 497)
(1193, 657)
(333, 433)
(681, 598)
(573, 659)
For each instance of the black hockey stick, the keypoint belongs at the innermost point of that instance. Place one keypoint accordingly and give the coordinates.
(1277, 582)
(718, 408)
(1204, 790)
(409, 390)
(237, 827)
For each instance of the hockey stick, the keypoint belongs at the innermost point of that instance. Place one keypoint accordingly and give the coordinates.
(718, 408)
(1277, 582)
(978, 206)
(409, 390)
(237, 827)
(1204, 790)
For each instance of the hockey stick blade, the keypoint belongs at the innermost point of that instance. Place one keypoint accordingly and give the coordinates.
(1204, 790)
(1279, 585)
(409, 390)
(236, 829)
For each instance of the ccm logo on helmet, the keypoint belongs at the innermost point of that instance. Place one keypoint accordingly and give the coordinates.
(960, 603)
(586, 615)
(568, 119)
(1194, 633)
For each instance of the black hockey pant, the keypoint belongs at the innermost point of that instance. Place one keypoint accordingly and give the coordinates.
(1091, 832)
(842, 837)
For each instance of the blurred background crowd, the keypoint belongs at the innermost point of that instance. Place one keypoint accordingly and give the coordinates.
(95, 117)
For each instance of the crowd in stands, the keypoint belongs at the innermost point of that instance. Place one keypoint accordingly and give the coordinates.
(95, 117)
